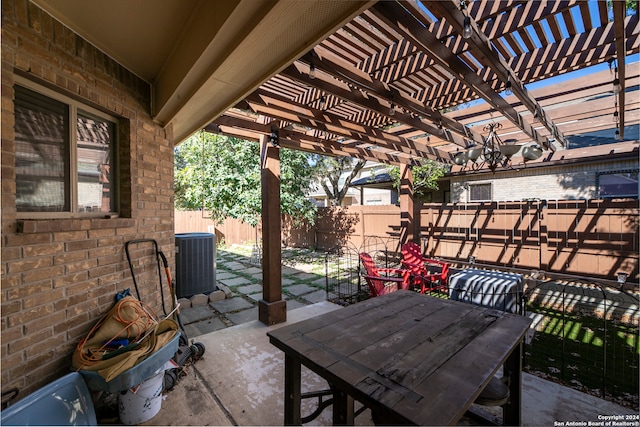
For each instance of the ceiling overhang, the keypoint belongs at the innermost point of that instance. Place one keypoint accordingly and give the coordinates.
(201, 57)
(389, 74)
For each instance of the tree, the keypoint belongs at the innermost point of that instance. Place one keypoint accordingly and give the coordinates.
(425, 177)
(222, 175)
(330, 170)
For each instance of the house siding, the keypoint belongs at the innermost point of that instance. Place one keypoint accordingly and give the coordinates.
(59, 276)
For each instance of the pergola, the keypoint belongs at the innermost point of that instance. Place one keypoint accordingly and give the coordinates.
(383, 81)
(388, 87)
(383, 86)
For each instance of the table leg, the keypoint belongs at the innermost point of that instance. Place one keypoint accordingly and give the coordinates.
(292, 393)
(342, 408)
(513, 366)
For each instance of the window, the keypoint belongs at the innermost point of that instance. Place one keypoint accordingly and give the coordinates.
(618, 184)
(479, 192)
(65, 156)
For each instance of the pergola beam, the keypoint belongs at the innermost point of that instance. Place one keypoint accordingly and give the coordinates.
(619, 9)
(480, 46)
(229, 125)
(334, 124)
(353, 95)
(405, 24)
(365, 82)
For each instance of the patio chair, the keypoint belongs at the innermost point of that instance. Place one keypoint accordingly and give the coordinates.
(426, 273)
(381, 280)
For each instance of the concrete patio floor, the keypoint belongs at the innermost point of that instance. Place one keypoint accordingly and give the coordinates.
(240, 382)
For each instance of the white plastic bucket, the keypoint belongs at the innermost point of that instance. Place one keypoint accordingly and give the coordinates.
(144, 404)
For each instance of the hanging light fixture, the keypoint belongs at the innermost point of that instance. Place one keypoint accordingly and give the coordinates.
(616, 120)
(467, 31)
(493, 152)
(312, 70)
(507, 87)
(323, 102)
(616, 82)
(392, 109)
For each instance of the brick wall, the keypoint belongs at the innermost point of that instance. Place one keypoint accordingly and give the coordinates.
(60, 276)
(562, 182)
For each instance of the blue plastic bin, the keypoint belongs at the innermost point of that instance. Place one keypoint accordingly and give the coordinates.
(64, 402)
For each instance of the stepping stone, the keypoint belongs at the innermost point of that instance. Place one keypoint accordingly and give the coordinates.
(195, 314)
(305, 276)
(243, 316)
(234, 266)
(256, 297)
(320, 282)
(299, 289)
(289, 271)
(238, 281)
(222, 275)
(317, 296)
(253, 271)
(307, 268)
(231, 304)
(204, 327)
(287, 281)
(249, 289)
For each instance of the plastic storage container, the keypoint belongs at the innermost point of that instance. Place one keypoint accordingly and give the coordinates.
(134, 376)
(63, 402)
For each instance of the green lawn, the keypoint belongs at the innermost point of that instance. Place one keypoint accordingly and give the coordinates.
(586, 353)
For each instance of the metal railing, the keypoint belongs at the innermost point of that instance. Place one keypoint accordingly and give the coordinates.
(583, 335)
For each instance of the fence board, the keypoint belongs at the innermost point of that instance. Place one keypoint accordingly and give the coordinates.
(594, 238)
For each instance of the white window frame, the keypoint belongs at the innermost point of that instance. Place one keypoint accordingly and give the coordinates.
(74, 107)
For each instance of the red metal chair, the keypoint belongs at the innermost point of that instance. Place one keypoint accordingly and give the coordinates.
(385, 283)
(429, 274)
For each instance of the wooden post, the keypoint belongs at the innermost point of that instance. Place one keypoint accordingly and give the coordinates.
(272, 308)
(409, 221)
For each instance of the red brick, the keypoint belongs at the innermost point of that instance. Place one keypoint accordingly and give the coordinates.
(39, 250)
(44, 322)
(81, 266)
(25, 316)
(84, 286)
(27, 239)
(33, 288)
(10, 308)
(69, 236)
(32, 264)
(69, 257)
(38, 299)
(42, 274)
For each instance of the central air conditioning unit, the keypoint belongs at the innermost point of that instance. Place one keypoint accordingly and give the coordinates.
(195, 264)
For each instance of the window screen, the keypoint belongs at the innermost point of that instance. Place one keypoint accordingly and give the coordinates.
(480, 192)
(95, 160)
(42, 153)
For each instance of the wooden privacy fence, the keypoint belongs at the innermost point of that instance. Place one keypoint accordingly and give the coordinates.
(595, 238)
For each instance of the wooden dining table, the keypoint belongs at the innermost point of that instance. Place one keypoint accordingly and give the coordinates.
(410, 358)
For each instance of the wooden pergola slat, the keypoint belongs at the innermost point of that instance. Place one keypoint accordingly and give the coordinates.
(410, 53)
